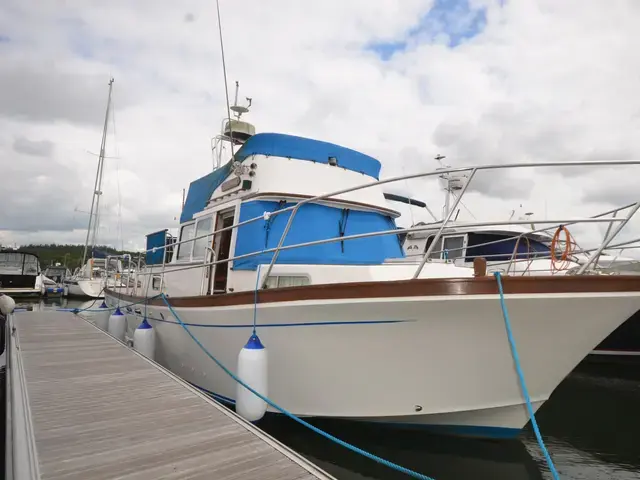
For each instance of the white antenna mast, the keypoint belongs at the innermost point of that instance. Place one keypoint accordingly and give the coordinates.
(445, 177)
(235, 131)
(453, 181)
(239, 110)
(224, 71)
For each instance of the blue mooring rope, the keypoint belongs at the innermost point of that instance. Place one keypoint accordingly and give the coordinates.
(255, 300)
(78, 310)
(328, 436)
(89, 309)
(523, 386)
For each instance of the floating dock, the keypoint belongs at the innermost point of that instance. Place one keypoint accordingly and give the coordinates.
(81, 404)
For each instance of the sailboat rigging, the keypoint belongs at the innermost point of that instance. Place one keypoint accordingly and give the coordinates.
(97, 189)
(89, 281)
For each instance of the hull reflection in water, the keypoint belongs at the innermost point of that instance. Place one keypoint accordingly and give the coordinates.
(440, 457)
(593, 423)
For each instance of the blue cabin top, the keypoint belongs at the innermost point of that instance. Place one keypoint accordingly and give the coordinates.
(277, 145)
(300, 148)
(313, 222)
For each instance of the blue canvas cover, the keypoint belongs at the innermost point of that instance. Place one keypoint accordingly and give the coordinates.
(156, 240)
(200, 191)
(95, 253)
(314, 222)
(300, 148)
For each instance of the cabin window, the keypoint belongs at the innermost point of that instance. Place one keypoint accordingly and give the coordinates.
(200, 244)
(184, 249)
(448, 247)
(30, 265)
(453, 247)
(156, 282)
(437, 249)
(501, 247)
(282, 281)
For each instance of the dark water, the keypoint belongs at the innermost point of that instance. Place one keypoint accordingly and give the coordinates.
(591, 426)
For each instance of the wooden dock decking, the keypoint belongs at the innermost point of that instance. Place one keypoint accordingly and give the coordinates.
(94, 409)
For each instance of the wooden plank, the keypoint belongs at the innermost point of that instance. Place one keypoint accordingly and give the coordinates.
(101, 411)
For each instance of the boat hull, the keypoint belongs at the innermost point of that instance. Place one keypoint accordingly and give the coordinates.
(86, 288)
(21, 292)
(17, 285)
(441, 361)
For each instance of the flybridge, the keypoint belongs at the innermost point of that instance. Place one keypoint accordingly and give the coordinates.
(301, 148)
(278, 145)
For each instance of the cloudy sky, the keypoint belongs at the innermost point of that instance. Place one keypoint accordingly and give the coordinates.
(480, 81)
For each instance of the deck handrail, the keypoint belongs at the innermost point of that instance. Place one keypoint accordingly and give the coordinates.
(328, 196)
(199, 264)
(441, 226)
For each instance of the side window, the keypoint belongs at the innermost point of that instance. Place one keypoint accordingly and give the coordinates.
(184, 249)
(287, 281)
(200, 244)
(453, 247)
(436, 253)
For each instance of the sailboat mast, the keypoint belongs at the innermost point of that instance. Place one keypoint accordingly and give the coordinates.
(97, 188)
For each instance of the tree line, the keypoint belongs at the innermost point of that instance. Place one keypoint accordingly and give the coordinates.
(69, 255)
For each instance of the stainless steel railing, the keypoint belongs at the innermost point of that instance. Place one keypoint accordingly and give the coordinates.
(442, 227)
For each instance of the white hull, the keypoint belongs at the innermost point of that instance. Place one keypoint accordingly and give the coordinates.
(21, 291)
(435, 360)
(86, 288)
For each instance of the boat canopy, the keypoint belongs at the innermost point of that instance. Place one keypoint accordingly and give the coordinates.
(200, 191)
(315, 222)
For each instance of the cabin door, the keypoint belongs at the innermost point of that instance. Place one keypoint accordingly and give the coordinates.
(221, 246)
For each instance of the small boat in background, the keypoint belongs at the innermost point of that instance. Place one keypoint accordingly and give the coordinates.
(91, 279)
(55, 274)
(20, 274)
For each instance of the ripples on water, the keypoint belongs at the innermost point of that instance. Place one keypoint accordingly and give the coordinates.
(591, 427)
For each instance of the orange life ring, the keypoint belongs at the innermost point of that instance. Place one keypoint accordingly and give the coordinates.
(568, 247)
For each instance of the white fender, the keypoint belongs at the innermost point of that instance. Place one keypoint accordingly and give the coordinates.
(252, 370)
(117, 324)
(144, 339)
(102, 317)
(7, 304)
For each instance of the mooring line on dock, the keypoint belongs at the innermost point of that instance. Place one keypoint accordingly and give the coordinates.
(102, 309)
(88, 309)
(523, 385)
(292, 416)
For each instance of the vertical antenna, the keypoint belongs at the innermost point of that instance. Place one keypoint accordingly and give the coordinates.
(235, 102)
(224, 72)
(446, 177)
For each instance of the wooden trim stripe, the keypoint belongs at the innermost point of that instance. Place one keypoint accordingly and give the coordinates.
(487, 285)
